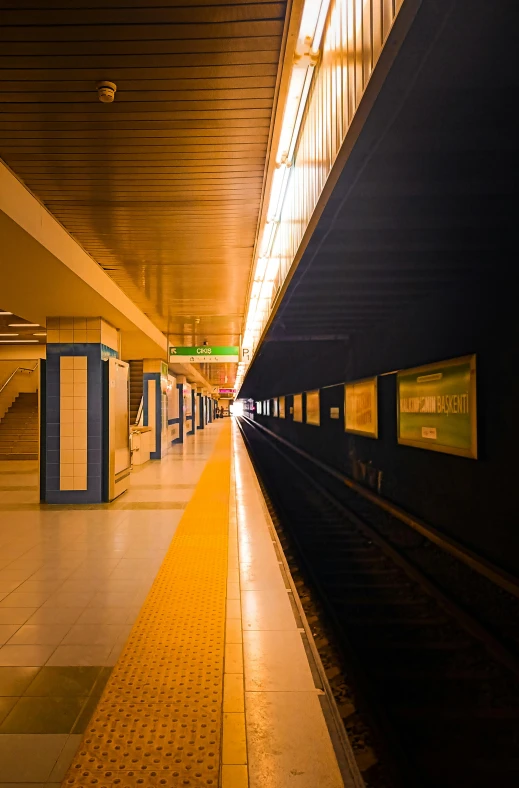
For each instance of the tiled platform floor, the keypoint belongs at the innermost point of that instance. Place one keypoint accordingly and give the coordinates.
(72, 581)
(288, 742)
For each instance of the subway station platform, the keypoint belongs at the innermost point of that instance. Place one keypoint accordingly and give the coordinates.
(158, 640)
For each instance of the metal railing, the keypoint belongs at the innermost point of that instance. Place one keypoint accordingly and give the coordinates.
(11, 376)
(139, 412)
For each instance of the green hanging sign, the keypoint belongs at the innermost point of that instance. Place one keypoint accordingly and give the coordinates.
(205, 354)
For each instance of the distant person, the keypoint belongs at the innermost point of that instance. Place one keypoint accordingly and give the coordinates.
(221, 412)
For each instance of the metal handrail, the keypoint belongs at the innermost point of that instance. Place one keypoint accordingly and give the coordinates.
(11, 376)
(139, 411)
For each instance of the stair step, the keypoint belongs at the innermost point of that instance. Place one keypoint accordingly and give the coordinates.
(8, 456)
(19, 428)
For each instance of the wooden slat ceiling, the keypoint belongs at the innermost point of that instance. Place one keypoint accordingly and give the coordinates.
(163, 186)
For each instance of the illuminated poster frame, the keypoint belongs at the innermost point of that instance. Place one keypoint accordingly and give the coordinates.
(352, 423)
(298, 407)
(313, 407)
(438, 393)
(281, 408)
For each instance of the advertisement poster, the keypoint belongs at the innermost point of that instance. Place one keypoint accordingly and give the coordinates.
(361, 408)
(298, 407)
(275, 406)
(281, 408)
(436, 407)
(312, 408)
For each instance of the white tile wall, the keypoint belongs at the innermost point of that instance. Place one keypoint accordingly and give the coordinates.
(109, 336)
(74, 330)
(73, 422)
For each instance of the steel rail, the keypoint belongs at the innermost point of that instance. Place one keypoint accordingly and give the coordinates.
(485, 568)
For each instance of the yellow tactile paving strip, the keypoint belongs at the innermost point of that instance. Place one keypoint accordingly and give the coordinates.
(159, 721)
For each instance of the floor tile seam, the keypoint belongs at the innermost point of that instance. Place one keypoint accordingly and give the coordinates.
(59, 643)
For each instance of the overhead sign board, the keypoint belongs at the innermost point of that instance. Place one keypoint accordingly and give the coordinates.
(227, 392)
(436, 407)
(360, 408)
(205, 354)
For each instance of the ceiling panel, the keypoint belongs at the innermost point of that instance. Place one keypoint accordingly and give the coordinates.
(21, 333)
(163, 186)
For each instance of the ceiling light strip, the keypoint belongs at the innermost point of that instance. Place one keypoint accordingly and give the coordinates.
(307, 53)
(314, 125)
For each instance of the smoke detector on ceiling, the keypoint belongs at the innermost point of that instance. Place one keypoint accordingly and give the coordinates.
(106, 91)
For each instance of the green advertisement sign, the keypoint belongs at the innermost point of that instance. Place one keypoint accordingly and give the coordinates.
(436, 407)
(205, 354)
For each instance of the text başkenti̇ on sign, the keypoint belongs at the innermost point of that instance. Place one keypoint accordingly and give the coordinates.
(436, 407)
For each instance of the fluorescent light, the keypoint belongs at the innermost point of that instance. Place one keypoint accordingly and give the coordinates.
(40, 334)
(277, 193)
(267, 266)
(9, 335)
(295, 89)
(319, 28)
(24, 325)
(267, 240)
(309, 19)
(300, 111)
(272, 269)
(261, 267)
(6, 313)
(17, 341)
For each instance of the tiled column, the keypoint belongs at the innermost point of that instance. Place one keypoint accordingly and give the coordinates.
(193, 413)
(180, 393)
(200, 403)
(76, 349)
(209, 402)
(155, 381)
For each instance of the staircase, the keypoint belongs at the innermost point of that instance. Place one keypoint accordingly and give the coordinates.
(135, 389)
(19, 429)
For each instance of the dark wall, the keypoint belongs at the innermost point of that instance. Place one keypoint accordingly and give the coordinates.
(475, 501)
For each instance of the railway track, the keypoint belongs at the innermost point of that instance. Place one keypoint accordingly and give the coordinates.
(441, 688)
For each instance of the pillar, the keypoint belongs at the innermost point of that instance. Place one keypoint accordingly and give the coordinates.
(73, 464)
(155, 383)
(193, 412)
(200, 402)
(180, 393)
(172, 411)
